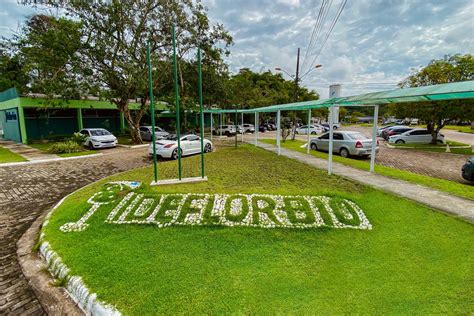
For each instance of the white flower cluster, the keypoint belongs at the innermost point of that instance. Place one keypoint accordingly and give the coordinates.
(253, 210)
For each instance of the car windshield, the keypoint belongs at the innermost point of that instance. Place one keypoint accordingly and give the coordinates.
(99, 132)
(171, 137)
(157, 129)
(357, 136)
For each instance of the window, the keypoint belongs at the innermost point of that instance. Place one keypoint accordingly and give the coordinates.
(99, 132)
(338, 136)
(325, 136)
(143, 129)
(356, 136)
(304, 126)
(193, 138)
(420, 132)
(84, 132)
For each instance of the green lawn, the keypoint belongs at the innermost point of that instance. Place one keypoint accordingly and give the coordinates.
(460, 189)
(45, 147)
(413, 261)
(7, 155)
(439, 147)
(463, 129)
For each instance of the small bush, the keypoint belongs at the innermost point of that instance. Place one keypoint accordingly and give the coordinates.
(65, 148)
(78, 138)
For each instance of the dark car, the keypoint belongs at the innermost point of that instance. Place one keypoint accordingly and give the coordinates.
(262, 128)
(394, 131)
(468, 170)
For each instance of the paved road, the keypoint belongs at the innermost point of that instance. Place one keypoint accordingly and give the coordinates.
(26, 192)
(465, 138)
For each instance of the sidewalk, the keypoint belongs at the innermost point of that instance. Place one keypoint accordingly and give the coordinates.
(29, 153)
(456, 206)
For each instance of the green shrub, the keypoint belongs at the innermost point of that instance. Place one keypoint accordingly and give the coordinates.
(65, 147)
(78, 138)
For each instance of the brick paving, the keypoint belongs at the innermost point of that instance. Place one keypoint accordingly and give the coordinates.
(28, 191)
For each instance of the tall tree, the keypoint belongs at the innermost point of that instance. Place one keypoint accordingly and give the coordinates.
(438, 113)
(47, 50)
(115, 38)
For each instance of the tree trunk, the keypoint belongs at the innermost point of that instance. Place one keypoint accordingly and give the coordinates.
(134, 119)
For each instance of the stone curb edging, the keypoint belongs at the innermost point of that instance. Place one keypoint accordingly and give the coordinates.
(75, 298)
(406, 147)
(133, 146)
(12, 164)
(54, 300)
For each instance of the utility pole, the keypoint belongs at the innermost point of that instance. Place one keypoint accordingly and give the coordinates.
(297, 78)
(297, 74)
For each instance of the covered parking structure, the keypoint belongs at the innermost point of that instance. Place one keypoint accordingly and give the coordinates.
(441, 92)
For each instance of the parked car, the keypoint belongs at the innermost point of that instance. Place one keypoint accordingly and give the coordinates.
(394, 130)
(313, 130)
(346, 143)
(145, 133)
(249, 128)
(98, 138)
(190, 144)
(468, 170)
(323, 128)
(418, 135)
(334, 126)
(382, 128)
(269, 126)
(227, 130)
(262, 128)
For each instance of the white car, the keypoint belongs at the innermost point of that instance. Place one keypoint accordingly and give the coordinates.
(418, 135)
(145, 133)
(249, 128)
(313, 130)
(98, 138)
(190, 144)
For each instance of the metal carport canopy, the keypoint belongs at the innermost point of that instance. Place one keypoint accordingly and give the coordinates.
(440, 92)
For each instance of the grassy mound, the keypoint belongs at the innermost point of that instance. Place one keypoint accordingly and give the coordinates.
(414, 260)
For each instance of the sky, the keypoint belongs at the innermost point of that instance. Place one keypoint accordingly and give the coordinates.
(373, 45)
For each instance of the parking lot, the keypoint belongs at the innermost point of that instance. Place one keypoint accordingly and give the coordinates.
(434, 164)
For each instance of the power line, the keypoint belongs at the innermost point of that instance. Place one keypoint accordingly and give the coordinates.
(316, 31)
(334, 22)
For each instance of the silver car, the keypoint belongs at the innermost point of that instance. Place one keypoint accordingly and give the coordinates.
(346, 143)
(145, 132)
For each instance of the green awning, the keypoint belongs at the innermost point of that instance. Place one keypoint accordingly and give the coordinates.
(440, 92)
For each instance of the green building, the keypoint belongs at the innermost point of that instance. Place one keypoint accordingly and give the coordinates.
(30, 118)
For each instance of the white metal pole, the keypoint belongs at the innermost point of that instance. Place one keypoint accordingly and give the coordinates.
(309, 122)
(256, 128)
(242, 120)
(220, 124)
(212, 126)
(374, 138)
(278, 131)
(331, 111)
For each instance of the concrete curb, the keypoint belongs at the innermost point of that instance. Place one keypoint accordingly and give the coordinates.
(133, 146)
(12, 164)
(53, 299)
(406, 147)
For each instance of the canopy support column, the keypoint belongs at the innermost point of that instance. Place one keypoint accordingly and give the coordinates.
(256, 129)
(242, 121)
(374, 138)
(331, 132)
(212, 126)
(278, 132)
(308, 132)
(220, 124)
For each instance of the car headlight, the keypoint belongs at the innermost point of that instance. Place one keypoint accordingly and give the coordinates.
(94, 139)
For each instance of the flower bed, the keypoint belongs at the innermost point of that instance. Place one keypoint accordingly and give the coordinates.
(254, 210)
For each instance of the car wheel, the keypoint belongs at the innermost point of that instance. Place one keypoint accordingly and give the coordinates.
(313, 133)
(399, 141)
(207, 148)
(344, 153)
(174, 155)
(314, 146)
(90, 146)
(334, 127)
(440, 141)
(296, 132)
(227, 134)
